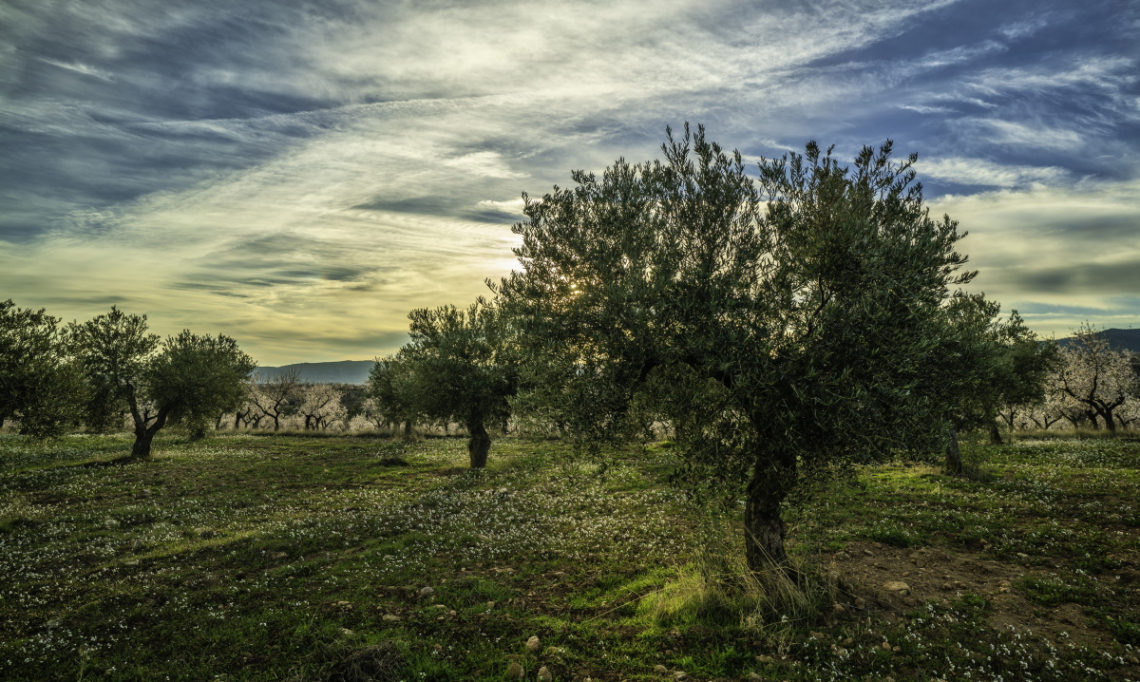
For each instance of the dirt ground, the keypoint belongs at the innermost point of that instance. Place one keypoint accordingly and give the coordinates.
(872, 573)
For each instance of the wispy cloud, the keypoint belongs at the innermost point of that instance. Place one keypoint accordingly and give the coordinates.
(79, 67)
(965, 171)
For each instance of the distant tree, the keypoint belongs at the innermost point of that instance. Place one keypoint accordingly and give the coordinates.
(1095, 375)
(1027, 362)
(1050, 411)
(187, 380)
(464, 369)
(277, 397)
(394, 391)
(782, 325)
(1009, 369)
(39, 385)
(321, 406)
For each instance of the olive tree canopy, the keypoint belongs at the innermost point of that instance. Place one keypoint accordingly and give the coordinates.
(780, 324)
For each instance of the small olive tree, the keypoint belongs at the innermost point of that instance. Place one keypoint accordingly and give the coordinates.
(394, 394)
(186, 379)
(463, 369)
(781, 324)
(986, 366)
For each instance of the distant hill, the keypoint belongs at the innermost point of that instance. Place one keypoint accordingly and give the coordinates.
(1126, 339)
(343, 372)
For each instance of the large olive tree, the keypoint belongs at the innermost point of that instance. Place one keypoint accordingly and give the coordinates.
(187, 378)
(780, 324)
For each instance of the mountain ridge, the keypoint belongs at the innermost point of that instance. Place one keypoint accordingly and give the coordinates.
(340, 372)
(1121, 339)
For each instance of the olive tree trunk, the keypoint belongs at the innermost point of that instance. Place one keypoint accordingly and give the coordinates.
(479, 444)
(144, 435)
(995, 434)
(764, 529)
(954, 465)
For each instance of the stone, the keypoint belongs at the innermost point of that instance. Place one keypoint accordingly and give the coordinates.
(660, 669)
(515, 671)
(896, 586)
(679, 675)
(533, 644)
(544, 674)
(390, 618)
(838, 609)
(427, 592)
(764, 658)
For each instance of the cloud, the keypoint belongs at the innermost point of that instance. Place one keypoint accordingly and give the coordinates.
(271, 166)
(1073, 246)
(1017, 134)
(965, 171)
(78, 67)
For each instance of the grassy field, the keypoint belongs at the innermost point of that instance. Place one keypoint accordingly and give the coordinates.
(251, 557)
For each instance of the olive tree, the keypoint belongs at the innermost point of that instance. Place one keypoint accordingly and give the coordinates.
(185, 379)
(39, 384)
(463, 369)
(394, 394)
(1007, 370)
(781, 324)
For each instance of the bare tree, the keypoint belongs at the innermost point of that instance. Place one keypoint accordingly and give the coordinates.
(1099, 378)
(274, 397)
(321, 406)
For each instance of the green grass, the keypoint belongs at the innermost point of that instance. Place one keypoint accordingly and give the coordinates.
(293, 557)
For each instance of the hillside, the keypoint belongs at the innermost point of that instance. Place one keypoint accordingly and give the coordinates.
(1127, 339)
(343, 372)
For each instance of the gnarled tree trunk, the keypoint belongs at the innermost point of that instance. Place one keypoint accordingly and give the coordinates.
(764, 530)
(479, 444)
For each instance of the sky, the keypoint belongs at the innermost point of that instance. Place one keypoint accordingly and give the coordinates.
(300, 175)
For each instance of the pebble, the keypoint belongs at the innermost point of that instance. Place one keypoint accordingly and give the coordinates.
(660, 669)
(544, 674)
(427, 592)
(533, 644)
(515, 671)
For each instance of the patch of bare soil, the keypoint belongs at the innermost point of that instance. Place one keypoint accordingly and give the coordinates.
(895, 580)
